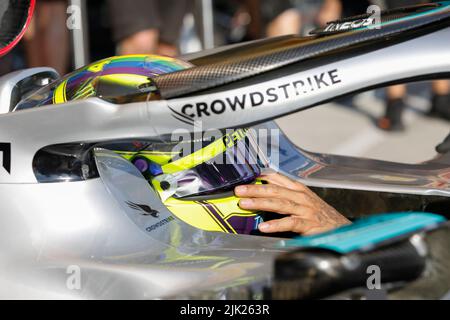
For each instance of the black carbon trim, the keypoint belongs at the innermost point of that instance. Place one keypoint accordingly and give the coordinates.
(237, 67)
(386, 16)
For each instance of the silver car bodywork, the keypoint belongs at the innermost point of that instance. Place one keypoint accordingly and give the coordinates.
(79, 239)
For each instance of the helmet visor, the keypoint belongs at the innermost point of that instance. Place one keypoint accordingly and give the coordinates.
(217, 168)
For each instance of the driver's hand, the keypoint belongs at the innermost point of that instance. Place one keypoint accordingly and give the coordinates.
(306, 213)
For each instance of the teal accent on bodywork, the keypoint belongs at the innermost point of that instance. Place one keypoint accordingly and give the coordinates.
(368, 232)
(445, 5)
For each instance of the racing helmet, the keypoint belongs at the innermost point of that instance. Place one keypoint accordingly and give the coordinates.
(195, 183)
(120, 79)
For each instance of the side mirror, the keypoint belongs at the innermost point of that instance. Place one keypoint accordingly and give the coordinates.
(16, 85)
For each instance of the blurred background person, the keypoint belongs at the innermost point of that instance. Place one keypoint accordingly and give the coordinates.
(246, 20)
(272, 18)
(444, 146)
(395, 105)
(332, 10)
(47, 41)
(6, 66)
(148, 26)
(395, 95)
